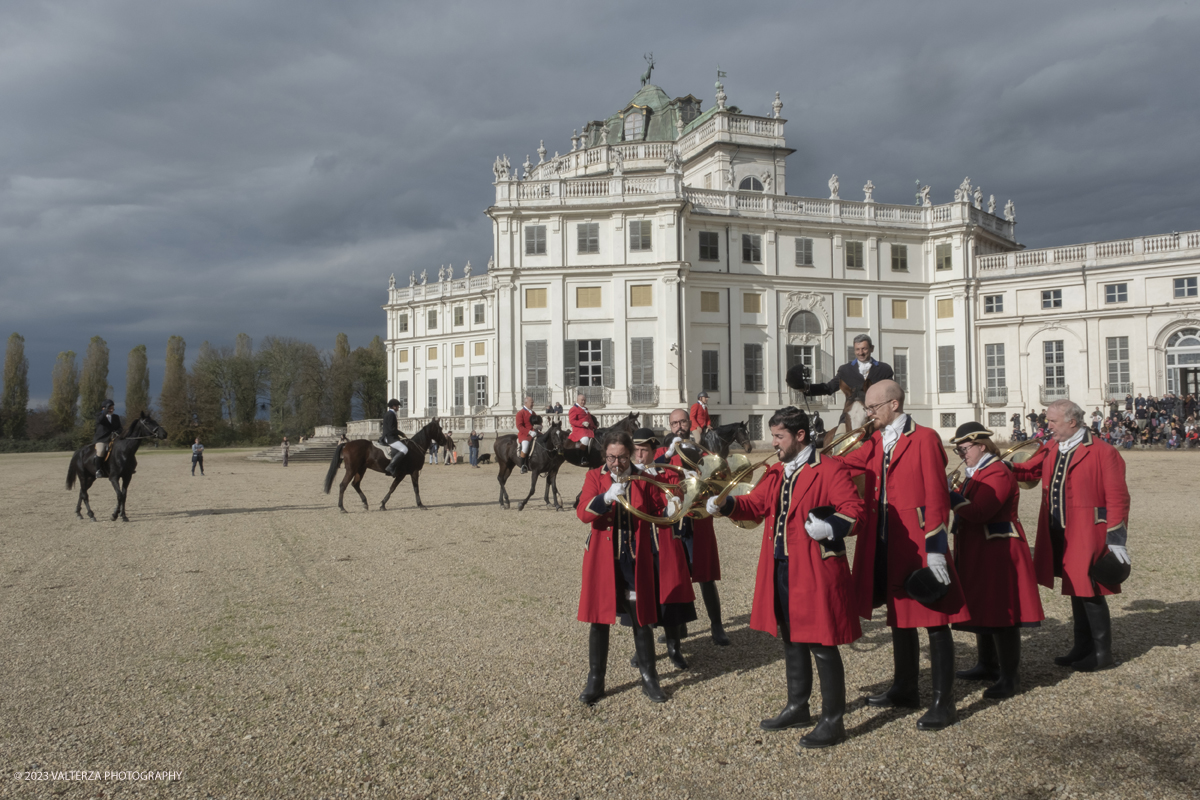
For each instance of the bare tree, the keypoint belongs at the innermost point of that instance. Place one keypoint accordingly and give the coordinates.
(137, 382)
(93, 380)
(14, 404)
(64, 392)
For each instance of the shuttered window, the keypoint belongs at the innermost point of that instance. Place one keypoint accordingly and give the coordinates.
(402, 355)
(588, 235)
(402, 395)
(535, 240)
(535, 298)
(754, 367)
(641, 296)
(481, 348)
(804, 248)
(751, 303)
(480, 314)
(431, 319)
(854, 306)
(899, 309)
(588, 362)
(536, 363)
(639, 234)
(710, 302)
(945, 308)
(431, 398)
(942, 255)
(946, 368)
(710, 246)
(900, 368)
(459, 350)
(403, 323)
(587, 297)
(460, 393)
(459, 315)
(854, 255)
(899, 258)
(431, 353)
(641, 361)
(710, 370)
(479, 396)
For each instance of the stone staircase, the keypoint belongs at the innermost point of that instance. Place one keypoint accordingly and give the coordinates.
(312, 451)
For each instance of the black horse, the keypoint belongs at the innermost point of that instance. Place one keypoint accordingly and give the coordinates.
(592, 457)
(122, 463)
(545, 456)
(361, 455)
(719, 440)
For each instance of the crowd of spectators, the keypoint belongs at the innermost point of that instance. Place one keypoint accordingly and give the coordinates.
(1169, 422)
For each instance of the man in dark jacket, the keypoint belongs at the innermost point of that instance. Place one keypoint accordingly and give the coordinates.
(861, 373)
(108, 427)
(392, 438)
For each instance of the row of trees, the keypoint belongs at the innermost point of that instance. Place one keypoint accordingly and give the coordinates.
(231, 394)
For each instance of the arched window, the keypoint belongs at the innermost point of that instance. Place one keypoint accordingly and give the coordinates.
(805, 322)
(635, 125)
(1183, 352)
(750, 184)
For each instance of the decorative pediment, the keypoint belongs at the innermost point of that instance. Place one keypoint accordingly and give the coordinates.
(808, 301)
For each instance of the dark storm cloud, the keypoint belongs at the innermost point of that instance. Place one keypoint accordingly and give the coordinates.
(209, 168)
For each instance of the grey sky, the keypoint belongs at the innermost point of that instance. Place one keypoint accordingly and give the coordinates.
(261, 166)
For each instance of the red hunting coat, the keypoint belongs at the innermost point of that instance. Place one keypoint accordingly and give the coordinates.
(706, 561)
(820, 589)
(918, 513)
(524, 425)
(578, 416)
(598, 595)
(699, 416)
(1096, 509)
(991, 552)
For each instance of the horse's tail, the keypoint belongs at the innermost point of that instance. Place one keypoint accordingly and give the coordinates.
(72, 472)
(333, 467)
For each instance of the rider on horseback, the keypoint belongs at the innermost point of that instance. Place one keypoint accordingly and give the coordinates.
(108, 427)
(699, 417)
(856, 377)
(583, 424)
(392, 436)
(528, 425)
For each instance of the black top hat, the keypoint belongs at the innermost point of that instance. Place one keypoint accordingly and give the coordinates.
(969, 432)
(924, 587)
(1109, 571)
(644, 436)
(393, 403)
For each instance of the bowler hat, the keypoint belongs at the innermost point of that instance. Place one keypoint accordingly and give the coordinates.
(924, 587)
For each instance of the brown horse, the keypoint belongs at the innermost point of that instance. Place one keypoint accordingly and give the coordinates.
(362, 455)
(545, 456)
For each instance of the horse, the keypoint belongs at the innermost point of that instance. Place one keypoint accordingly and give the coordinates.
(545, 456)
(854, 411)
(122, 463)
(719, 440)
(362, 454)
(591, 458)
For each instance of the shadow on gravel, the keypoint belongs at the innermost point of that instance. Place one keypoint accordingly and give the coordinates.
(206, 512)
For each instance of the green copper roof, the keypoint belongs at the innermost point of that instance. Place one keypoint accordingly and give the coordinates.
(663, 111)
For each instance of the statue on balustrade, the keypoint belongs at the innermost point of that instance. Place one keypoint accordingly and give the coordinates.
(992, 204)
(412, 279)
(467, 270)
(923, 196)
(1010, 211)
(869, 191)
(392, 281)
(618, 162)
(834, 185)
(441, 273)
(963, 193)
(423, 277)
(674, 160)
(978, 197)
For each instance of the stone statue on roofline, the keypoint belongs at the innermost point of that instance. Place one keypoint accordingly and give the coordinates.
(777, 106)
(392, 281)
(869, 191)
(1010, 211)
(604, 134)
(732, 177)
(618, 162)
(423, 277)
(412, 279)
(834, 185)
(649, 68)
(541, 151)
(766, 180)
(992, 204)
(963, 193)
(467, 270)
(674, 160)
(923, 196)
(978, 197)
(491, 263)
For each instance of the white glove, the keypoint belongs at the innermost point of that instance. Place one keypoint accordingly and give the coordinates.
(712, 507)
(937, 563)
(671, 450)
(1121, 553)
(691, 473)
(615, 491)
(818, 529)
(673, 505)
(587, 424)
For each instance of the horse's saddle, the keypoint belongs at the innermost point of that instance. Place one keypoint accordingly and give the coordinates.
(386, 448)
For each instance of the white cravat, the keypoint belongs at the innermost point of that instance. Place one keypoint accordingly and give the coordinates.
(891, 434)
(983, 462)
(1069, 444)
(864, 367)
(796, 463)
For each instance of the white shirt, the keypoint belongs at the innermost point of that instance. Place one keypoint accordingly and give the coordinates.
(796, 463)
(864, 367)
(891, 434)
(983, 462)
(1069, 444)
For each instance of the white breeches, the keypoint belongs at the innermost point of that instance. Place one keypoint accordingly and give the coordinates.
(585, 440)
(399, 447)
(100, 448)
(525, 446)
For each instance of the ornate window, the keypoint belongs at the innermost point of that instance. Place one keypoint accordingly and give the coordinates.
(635, 125)
(1183, 351)
(750, 184)
(804, 322)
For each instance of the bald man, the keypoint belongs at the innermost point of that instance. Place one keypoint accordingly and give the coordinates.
(906, 515)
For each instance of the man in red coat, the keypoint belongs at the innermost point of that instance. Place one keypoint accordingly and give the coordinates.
(803, 584)
(526, 421)
(699, 541)
(677, 601)
(905, 521)
(1084, 516)
(992, 558)
(700, 419)
(618, 565)
(583, 424)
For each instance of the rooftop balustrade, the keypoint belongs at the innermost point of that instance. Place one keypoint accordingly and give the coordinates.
(1092, 254)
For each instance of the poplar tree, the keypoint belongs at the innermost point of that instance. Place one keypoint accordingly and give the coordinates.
(93, 380)
(137, 383)
(14, 406)
(206, 387)
(370, 384)
(341, 381)
(64, 392)
(246, 381)
(173, 401)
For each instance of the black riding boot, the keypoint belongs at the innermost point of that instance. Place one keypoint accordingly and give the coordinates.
(1008, 645)
(1100, 624)
(988, 668)
(906, 657)
(1083, 635)
(797, 666)
(643, 640)
(593, 690)
(674, 634)
(941, 713)
(524, 464)
(394, 464)
(712, 603)
(830, 728)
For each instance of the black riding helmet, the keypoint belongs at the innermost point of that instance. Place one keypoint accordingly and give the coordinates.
(393, 403)
(107, 404)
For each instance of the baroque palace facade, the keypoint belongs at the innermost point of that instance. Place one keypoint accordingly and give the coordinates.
(662, 255)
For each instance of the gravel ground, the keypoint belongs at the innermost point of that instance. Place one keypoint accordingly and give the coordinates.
(241, 632)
